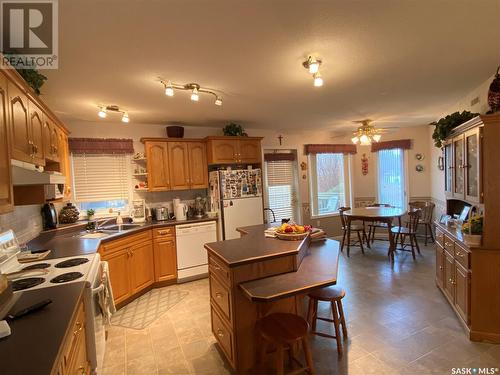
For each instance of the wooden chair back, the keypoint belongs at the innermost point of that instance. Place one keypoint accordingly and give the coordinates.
(415, 216)
(427, 209)
(342, 217)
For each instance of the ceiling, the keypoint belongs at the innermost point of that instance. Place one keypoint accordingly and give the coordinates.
(402, 63)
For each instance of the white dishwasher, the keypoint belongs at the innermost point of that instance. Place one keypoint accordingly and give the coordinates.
(192, 259)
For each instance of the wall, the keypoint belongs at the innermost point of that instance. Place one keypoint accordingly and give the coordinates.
(437, 176)
(25, 221)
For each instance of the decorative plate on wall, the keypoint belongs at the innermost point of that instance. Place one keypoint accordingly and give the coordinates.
(419, 156)
(419, 168)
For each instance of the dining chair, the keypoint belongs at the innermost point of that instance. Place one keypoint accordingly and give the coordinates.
(358, 228)
(426, 217)
(409, 231)
(372, 227)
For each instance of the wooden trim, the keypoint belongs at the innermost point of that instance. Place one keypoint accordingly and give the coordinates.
(224, 137)
(493, 338)
(166, 139)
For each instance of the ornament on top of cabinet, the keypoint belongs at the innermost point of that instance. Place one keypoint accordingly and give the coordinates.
(364, 165)
(494, 93)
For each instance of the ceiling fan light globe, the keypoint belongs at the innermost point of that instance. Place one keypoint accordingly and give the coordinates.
(377, 137)
(355, 140)
(169, 91)
(313, 67)
(102, 113)
(318, 81)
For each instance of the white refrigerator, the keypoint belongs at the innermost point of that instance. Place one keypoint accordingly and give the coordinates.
(237, 195)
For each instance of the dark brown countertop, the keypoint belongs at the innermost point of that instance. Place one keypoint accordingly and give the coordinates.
(36, 339)
(68, 242)
(318, 269)
(252, 247)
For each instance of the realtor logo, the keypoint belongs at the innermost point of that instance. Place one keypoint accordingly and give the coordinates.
(29, 34)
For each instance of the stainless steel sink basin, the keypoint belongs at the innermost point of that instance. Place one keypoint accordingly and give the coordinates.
(95, 235)
(122, 227)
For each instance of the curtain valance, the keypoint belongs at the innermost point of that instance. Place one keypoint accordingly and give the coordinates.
(404, 144)
(330, 149)
(100, 146)
(277, 156)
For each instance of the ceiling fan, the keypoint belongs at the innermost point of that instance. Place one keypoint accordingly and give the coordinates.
(366, 133)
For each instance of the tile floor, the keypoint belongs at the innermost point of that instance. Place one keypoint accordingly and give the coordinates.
(398, 323)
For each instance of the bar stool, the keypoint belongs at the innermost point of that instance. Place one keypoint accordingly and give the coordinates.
(284, 331)
(334, 295)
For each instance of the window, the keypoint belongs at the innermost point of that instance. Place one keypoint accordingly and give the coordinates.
(391, 177)
(329, 183)
(101, 182)
(281, 187)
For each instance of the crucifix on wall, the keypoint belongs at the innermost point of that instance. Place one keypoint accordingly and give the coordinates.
(280, 138)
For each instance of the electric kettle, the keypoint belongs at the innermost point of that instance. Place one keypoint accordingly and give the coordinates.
(181, 211)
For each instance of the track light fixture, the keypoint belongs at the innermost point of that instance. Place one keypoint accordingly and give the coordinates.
(104, 109)
(312, 65)
(195, 89)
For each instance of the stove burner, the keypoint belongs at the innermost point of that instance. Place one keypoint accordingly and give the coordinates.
(71, 262)
(65, 277)
(37, 266)
(29, 282)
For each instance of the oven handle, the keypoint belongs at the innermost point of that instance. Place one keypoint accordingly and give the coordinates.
(98, 289)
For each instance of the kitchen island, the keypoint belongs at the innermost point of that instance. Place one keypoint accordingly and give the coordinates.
(254, 276)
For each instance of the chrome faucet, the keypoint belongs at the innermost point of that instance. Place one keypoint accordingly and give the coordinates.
(99, 226)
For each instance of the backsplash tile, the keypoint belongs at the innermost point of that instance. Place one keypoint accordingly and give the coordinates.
(25, 221)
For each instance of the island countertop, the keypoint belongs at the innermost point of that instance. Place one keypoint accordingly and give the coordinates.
(254, 246)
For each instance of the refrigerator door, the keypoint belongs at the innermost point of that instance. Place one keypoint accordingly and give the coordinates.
(241, 213)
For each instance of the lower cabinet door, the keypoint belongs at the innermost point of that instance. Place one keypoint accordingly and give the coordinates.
(119, 274)
(462, 292)
(141, 266)
(449, 277)
(439, 266)
(165, 259)
(80, 364)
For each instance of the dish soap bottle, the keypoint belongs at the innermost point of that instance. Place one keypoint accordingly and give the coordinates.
(119, 219)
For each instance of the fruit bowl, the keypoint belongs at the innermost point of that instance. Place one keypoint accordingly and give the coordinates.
(292, 232)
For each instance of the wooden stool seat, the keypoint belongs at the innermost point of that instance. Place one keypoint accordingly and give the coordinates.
(334, 295)
(284, 331)
(330, 293)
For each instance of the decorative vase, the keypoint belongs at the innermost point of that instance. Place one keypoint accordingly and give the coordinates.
(69, 214)
(472, 240)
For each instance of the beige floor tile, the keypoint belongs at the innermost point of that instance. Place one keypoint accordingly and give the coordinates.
(142, 366)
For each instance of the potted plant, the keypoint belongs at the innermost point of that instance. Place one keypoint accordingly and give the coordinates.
(233, 129)
(472, 231)
(90, 214)
(445, 125)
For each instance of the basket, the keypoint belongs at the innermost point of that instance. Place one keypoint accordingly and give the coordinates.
(291, 236)
(175, 131)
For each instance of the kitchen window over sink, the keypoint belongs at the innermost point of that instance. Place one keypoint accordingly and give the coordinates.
(329, 183)
(101, 182)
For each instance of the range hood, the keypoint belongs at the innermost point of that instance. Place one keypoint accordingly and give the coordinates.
(28, 174)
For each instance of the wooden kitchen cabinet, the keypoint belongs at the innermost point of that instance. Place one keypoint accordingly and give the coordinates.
(449, 276)
(178, 158)
(231, 150)
(462, 292)
(157, 166)
(119, 271)
(165, 255)
(21, 148)
(440, 265)
(50, 140)
(36, 129)
(141, 266)
(198, 168)
(6, 194)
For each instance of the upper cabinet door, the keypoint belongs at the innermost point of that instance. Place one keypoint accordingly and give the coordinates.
(179, 165)
(157, 166)
(223, 151)
(6, 197)
(448, 169)
(249, 151)
(36, 128)
(472, 167)
(21, 144)
(198, 169)
(50, 140)
(458, 166)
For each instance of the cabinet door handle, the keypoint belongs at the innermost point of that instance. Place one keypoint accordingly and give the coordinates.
(448, 244)
(163, 232)
(217, 268)
(220, 333)
(440, 267)
(81, 369)
(452, 282)
(80, 327)
(218, 295)
(459, 254)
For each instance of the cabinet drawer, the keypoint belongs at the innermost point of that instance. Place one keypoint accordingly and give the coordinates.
(439, 237)
(125, 241)
(163, 232)
(216, 267)
(462, 256)
(223, 335)
(221, 296)
(449, 245)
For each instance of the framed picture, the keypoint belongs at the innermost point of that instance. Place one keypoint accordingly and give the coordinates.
(444, 219)
(465, 213)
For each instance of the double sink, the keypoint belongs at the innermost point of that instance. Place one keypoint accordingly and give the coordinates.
(109, 230)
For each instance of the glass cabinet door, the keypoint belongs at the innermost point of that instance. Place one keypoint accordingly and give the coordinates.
(458, 167)
(472, 166)
(448, 169)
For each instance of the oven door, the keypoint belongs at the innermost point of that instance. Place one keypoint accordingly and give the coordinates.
(95, 330)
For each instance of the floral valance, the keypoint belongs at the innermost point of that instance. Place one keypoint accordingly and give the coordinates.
(404, 144)
(100, 146)
(279, 156)
(330, 149)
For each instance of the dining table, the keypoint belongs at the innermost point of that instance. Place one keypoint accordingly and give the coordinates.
(376, 214)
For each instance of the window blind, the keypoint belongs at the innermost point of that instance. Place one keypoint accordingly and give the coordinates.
(100, 177)
(391, 179)
(281, 189)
